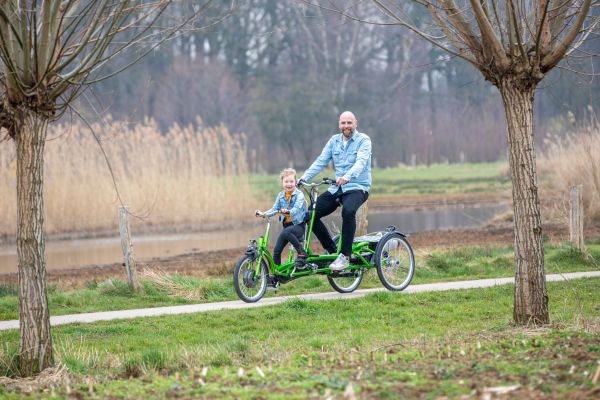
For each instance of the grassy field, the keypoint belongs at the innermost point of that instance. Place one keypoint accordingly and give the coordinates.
(385, 345)
(420, 180)
(164, 290)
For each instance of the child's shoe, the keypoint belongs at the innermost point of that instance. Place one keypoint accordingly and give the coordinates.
(300, 262)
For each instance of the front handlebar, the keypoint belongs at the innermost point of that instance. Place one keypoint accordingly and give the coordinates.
(324, 181)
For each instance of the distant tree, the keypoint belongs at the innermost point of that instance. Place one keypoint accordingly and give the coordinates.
(49, 52)
(514, 44)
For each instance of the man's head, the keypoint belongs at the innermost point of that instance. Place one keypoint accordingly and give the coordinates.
(348, 124)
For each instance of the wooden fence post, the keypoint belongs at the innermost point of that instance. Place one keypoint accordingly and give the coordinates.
(127, 247)
(576, 217)
(362, 223)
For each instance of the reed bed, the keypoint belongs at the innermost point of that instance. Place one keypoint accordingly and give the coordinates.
(574, 159)
(188, 175)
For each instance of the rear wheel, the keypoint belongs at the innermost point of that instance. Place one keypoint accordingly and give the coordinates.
(347, 281)
(249, 286)
(395, 261)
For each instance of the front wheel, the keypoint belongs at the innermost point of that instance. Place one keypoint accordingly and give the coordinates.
(249, 285)
(395, 261)
(346, 282)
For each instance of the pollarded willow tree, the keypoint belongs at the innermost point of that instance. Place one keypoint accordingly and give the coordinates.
(49, 52)
(514, 44)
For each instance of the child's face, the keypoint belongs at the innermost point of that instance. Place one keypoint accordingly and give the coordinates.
(289, 183)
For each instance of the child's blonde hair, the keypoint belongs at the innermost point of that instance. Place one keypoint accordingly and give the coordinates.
(287, 172)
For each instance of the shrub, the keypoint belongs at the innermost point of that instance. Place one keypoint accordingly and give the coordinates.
(575, 160)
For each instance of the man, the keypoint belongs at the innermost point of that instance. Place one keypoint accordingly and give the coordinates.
(350, 151)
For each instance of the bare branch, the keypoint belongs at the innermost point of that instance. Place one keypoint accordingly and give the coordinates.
(587, 32)
(489, 36)
(557, 16)
(561, 48)
(437, 41)
(516, 29)
(450, 35)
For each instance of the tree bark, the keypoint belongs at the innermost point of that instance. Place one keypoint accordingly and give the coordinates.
(531, 297)
(35, 339)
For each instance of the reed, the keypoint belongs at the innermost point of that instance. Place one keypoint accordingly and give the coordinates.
(574, 159)
(188, 175)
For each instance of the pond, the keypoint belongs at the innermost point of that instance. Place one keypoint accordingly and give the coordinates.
(75, 253)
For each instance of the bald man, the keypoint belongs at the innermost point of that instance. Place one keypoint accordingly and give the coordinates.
(350, 151)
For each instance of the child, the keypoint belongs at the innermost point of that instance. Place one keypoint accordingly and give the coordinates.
(290, 204)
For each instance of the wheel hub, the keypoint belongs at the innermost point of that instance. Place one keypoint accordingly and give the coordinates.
(249, 279)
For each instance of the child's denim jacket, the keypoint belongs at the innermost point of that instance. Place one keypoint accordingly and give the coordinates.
(296, 206)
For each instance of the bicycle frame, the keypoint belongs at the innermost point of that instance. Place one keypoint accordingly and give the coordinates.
(362, 251)
(387, 251)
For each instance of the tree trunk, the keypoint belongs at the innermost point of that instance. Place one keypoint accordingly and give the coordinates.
(531, 297)
(36, 340)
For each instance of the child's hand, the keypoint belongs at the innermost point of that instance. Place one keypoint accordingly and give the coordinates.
(284, 211)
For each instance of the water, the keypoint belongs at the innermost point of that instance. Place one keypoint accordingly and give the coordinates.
(75, 253)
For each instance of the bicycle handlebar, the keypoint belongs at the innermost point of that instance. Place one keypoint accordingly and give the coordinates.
(324, 181)
(265, 216)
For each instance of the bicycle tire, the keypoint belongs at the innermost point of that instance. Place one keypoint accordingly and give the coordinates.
(249, 288)
(395, 261)
(347, 282)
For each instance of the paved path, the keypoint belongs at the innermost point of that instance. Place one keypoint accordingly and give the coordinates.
(231, 305)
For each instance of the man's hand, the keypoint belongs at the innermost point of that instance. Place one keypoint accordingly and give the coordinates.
(300, 182)
(341, 181)
(259, 213)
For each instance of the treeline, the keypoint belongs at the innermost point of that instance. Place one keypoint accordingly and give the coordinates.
(282, 71)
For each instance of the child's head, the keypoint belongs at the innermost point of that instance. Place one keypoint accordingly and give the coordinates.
(288, 179)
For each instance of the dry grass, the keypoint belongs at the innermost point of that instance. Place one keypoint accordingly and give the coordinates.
(189, 175)
(47, 379)
(575, 160)
(183, 288)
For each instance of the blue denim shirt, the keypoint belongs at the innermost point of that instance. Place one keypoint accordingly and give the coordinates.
(296, 206)
(352, 162)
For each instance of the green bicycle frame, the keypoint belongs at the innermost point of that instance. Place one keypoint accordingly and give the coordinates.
(362, 252)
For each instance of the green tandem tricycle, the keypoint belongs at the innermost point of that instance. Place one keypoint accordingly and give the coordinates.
(388, 251)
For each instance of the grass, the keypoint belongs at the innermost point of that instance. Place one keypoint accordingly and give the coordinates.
(385, 345)
(162, 289)
(403, 181)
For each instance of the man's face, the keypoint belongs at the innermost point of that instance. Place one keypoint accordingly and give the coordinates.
(347, 125)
